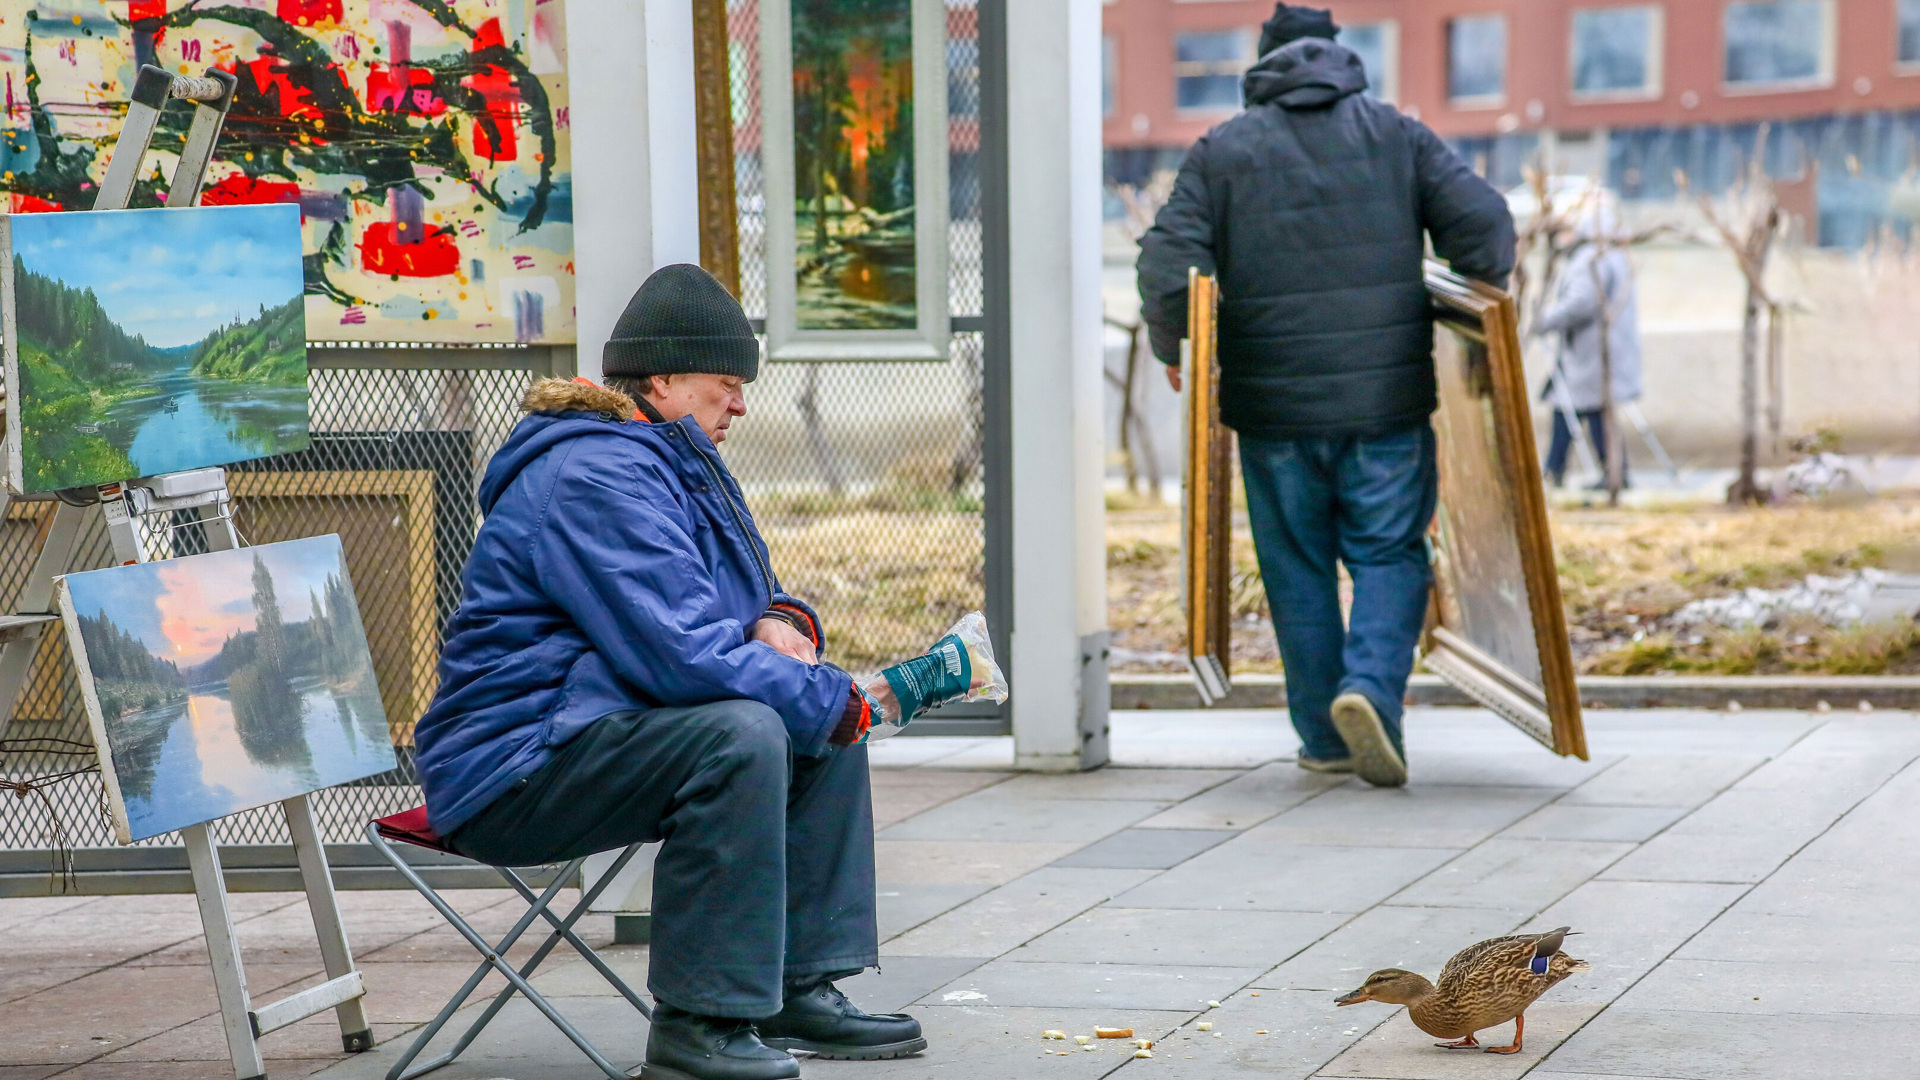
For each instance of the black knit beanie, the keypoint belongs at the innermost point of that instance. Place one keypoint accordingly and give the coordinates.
(1292, 22)
(680, 322)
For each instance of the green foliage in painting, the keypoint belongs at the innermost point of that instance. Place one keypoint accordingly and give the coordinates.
(269, 348)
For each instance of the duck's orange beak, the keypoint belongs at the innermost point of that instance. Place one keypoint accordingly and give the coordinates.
(1353, 998)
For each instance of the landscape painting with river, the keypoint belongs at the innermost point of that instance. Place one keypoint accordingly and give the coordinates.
(225, 681)
(154, 341)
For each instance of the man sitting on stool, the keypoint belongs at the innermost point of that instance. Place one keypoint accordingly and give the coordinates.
(625, 667)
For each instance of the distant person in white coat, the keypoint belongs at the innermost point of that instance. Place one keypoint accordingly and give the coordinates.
(1595, 288)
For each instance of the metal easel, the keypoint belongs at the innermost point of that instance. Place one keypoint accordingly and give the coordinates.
(197, 498)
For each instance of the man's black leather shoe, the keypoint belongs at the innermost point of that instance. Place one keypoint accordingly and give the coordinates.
(821, 1021)
(685, 1046)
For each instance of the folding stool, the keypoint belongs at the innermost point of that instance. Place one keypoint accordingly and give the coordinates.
(411, 827)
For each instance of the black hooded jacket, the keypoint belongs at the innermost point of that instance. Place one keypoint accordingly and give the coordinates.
(1311, 208)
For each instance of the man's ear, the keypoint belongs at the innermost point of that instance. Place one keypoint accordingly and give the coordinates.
(657, 385)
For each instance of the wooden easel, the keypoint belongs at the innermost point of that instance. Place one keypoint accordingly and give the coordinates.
(192, 498)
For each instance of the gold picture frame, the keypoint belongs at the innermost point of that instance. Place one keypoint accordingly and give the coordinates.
(1207, 503)
(1496, 628)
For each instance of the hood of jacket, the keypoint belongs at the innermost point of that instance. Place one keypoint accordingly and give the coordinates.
(1310, 73)
(560, 409)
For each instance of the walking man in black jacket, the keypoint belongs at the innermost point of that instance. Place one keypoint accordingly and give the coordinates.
(1311, 208)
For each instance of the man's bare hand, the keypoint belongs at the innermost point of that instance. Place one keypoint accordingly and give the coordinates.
(781, 637)
(1173, 377)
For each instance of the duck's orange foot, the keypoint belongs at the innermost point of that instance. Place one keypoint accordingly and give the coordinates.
(1468, 1043)
(1514, 1049)
(1519, 1025)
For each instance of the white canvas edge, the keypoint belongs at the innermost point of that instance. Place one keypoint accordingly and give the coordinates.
(16, 467)
(785, 342)
(96, 722)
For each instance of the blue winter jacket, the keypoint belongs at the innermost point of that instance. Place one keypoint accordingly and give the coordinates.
(617, 569)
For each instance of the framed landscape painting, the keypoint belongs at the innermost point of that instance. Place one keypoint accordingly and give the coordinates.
(143, 342)
(222, 682)
(855, 157)
(1496, 627)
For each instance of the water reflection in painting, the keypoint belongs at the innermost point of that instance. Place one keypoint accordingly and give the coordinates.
(853, 164)
(226, 681)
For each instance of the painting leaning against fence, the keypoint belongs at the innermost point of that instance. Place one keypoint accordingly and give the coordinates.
(221, 682)
(425, 142)
(853, 164)
(152, 341)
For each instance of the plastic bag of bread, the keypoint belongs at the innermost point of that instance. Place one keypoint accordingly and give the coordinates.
(959, 667)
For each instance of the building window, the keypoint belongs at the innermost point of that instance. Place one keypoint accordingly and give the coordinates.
(1477, 59)
(1378, 45)
(1780, 42)
(1207, 68)
(1909, 32)
(1616, 52)
(1109, 59)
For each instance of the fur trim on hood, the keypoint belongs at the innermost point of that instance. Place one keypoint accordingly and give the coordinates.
(576, 395)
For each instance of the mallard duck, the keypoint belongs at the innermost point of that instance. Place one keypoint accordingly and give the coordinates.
(1483, 985)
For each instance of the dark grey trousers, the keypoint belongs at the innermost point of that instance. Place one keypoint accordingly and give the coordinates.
(765, 875)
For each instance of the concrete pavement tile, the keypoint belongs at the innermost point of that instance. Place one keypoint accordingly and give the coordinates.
(520, 1043)
(1629, 824)
(975, 1043)
(1247, 874)
(1120, 782)
(87, 1017)
(1247, 800)
(1696, 731)
(1015, 913)
(20, 982)
(186, 1070)
(1116, 935)
(920, 750)
(962, 862)
(412, 993)
(1664, 780)
(992, 753)
(1725, 1046)
(1411, 938)
(903, 907)
(1118, 987)
(1675, 856)
(899, 794)
(1743, 934)
(1147, 849)
(204, 1040)
(1512, 873)
(15, 910)
(987, 815)
(1429, 767)
(903, 980)
(571, 976)
(1626, 928)
(1303, 1031)
(1538, 1074)
(1841, 986)
(28, 1072)
(1201, 739)
(1438, 817)
(1400, 1051)
(101, 934)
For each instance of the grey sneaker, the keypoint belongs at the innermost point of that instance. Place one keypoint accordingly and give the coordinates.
(1374, 757)
(1324, 764)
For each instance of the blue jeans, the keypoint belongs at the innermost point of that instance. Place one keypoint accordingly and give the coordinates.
(1366, 502)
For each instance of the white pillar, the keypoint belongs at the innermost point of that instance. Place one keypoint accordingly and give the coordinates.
(636, 207)
(1059, 638)
(635, 176)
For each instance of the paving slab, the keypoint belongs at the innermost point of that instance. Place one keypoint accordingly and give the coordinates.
(520, 1044)
(1727, 1046)
(900, 907)
(1117, 935)
(1263, 1034)
(976, 1043)
(963, 862)
(1412, 816)
(1625, 824)
(576, 978)
(1117, 987)
(1506, 872)
(92, 1016)
(19, 910)
(903, 980)
(1626, 929)
(987, 815)
(1119, 782)
(1203, 738)
(1396, 1050)
(923, 750)
(899, 794)
(1247, 800)
(1013, 914)
(1664, 780)
(1846, 986)
(1412, 938)
(1431, 766)
(1250, 874)
(1147, 849)
(278, 1068)
(1696, 731)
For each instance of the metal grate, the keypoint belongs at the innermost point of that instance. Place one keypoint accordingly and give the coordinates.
(866, 477)
(393, 465)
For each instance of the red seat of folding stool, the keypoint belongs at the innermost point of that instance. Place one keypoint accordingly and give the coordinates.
(410, 827)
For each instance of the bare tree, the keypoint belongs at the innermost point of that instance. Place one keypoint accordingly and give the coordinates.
(1142, 203)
